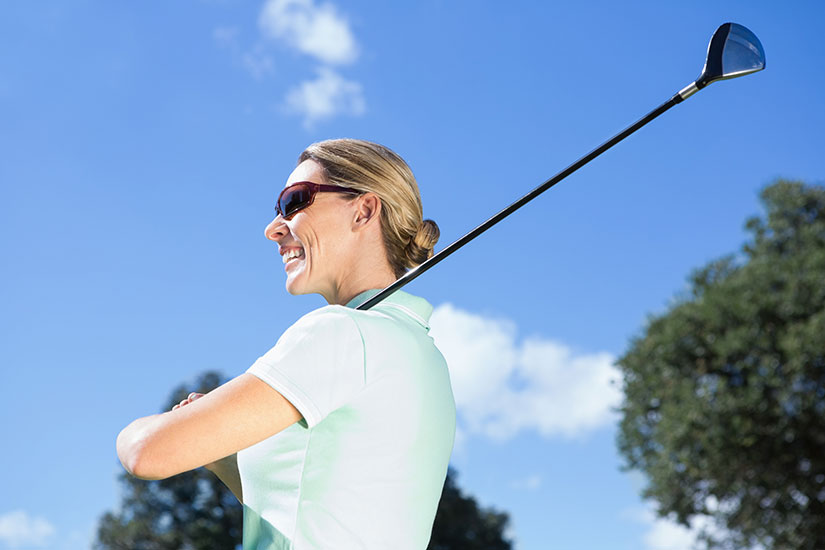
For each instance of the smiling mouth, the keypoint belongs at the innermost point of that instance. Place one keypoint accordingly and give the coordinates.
(293, 254)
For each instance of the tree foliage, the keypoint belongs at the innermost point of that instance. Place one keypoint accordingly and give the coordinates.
(724, 405)
(461, 524)
(195, 511)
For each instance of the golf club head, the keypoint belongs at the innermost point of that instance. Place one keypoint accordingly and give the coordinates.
(733, 51)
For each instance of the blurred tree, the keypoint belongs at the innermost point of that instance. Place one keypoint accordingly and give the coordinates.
(460, 524)
(724, 406)
(195, 511)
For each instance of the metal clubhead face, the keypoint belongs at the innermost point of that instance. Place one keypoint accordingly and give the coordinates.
(733, 51)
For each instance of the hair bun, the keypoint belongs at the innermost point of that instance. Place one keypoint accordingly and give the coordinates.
(421, 245)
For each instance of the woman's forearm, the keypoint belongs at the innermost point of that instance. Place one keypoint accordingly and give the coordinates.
(129, 444)
(227, 471)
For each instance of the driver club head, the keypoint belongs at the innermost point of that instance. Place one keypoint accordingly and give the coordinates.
(733, 51)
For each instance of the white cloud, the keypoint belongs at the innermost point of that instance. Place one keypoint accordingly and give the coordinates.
(19, 529)
(326, 96)
(316, 30)
(667, 534)
(503, 386)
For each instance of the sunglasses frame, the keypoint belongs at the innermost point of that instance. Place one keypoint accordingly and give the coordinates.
(314, 189)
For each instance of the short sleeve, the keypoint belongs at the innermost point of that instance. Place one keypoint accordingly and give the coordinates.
(317, 364)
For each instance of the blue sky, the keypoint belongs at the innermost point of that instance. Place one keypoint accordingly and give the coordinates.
(143, 146)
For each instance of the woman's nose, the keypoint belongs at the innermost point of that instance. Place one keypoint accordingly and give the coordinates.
(276, 230)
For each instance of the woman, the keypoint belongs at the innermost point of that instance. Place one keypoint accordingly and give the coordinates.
(340, 435)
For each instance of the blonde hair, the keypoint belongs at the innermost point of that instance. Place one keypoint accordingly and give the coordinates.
(369, 167)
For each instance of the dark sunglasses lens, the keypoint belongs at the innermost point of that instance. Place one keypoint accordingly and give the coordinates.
(293, 199)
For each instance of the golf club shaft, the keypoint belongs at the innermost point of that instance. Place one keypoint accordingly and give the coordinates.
(416, 271)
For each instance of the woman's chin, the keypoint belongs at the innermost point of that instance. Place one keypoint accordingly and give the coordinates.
(294, 287)
(296, 283)
(295, 278)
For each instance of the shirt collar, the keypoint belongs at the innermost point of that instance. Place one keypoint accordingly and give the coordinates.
(417, 308)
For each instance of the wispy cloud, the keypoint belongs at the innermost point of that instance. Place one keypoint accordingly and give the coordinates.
(504, 384)
(313, 29)
(226, 36)
(324, 97)
(529, 483)
(18, 530)
(257, 61)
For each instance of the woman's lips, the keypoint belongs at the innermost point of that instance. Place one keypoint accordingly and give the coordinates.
(291, 255)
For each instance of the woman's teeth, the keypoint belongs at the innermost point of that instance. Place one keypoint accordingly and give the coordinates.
(292, 254)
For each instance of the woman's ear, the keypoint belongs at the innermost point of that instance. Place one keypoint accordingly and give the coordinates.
(367, 208)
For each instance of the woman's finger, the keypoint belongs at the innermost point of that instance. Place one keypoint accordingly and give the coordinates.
(191, 397)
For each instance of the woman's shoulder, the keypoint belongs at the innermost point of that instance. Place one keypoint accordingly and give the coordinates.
(397, 312)
(324, 324)
(332, 316)
(399, 307)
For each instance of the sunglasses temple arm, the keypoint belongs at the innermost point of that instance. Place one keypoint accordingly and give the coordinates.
(442, 254)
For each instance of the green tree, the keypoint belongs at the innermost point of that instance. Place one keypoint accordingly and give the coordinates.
(460, 524)
(195, 511)
(724, 406)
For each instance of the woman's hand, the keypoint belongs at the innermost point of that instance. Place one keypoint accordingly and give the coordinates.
(192, 397)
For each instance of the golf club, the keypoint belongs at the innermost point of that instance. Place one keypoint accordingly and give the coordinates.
(733, 51)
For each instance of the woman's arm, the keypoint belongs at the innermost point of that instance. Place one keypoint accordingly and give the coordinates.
(232, 417)
(226, 469)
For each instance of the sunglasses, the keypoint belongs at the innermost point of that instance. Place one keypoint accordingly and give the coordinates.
(299, 195)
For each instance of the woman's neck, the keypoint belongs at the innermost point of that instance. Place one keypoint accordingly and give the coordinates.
(364, 275)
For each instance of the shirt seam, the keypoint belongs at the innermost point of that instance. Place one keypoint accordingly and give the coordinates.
(354, 319)
(290, 390)
(300, 489)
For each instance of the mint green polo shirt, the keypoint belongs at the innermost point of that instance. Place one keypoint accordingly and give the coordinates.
(366, 466)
